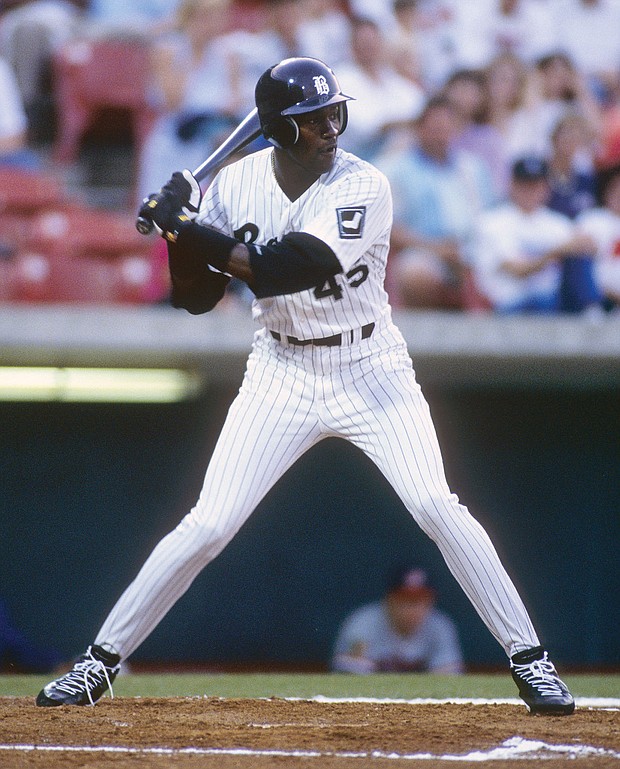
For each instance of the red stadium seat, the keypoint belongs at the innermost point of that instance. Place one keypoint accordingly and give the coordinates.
(248, 15)
(80, 254)
(13, 232)
(87, 231)
(31, 277)
(47, 277)
(93, 75)
(54, 249)
(8, 278)
(23, 192)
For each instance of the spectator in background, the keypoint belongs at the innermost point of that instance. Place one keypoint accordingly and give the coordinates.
(466, 91)
(522, 27)
(608, 149)
(138, 17)
(437, 23)
(438, 193)
(505, 80)
(384, 100)
(380, 11)
(196, 90)
(429, 34)
(602, 224)
(588, 31)
(405, 42)
(30, 32)
(572, 189)
(14, 149)
(555, 88)
(278, 37)
(468, 35)
(404, 632)
(527, 258)
(325, 31)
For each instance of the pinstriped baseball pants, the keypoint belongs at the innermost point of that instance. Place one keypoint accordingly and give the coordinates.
(291, 398)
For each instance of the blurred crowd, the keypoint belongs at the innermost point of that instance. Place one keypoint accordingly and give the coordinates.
(497, 123)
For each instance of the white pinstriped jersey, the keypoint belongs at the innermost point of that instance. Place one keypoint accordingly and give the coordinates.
(349, 208)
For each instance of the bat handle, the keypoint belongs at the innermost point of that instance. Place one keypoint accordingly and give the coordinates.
(144, 226)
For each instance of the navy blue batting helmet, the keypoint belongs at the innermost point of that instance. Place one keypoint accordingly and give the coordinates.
(290, 88)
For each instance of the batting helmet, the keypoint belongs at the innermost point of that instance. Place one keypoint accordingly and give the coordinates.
(292, 87)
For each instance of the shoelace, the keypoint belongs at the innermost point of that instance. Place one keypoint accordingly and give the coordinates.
(541, 675)
(86, 674)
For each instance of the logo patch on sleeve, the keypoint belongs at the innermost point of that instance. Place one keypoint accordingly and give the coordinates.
(351, 222)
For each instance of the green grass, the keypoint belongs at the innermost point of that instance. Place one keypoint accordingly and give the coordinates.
(329, 685)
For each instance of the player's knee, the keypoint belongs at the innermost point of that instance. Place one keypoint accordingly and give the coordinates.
(438, 515)
(209, 533)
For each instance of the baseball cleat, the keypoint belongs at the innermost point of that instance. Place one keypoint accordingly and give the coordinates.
(91, 675)
(540, 687)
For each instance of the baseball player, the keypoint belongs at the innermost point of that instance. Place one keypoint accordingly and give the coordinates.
(307, 227)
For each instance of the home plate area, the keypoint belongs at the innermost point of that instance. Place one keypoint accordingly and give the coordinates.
(260, 733)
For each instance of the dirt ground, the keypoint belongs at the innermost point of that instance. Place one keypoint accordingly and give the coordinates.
(274, 733)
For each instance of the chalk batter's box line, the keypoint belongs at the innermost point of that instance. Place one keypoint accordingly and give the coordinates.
(513, 748)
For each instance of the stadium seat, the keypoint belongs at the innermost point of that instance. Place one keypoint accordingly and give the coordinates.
(23, 192)
(86, 230)
(247, 15)
(13, 232)
(92, 75)
(31, 277)
(7, 278)
(47, 277)
(81, 254)
(23, 195)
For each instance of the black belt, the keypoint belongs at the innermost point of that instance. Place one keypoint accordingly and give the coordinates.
(327, 341)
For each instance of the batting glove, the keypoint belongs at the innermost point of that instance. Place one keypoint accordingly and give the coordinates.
(165, 211)
(177, 202)
(185, 186)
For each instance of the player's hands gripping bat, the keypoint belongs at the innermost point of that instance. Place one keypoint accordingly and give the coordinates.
(248, 130)
(177, 202)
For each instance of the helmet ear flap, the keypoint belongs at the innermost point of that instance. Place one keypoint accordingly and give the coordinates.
(283, 133)
(344, 116)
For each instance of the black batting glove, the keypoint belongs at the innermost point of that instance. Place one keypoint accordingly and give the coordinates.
(166, 212)
(185, 187)
(177, 203)
(146, 209)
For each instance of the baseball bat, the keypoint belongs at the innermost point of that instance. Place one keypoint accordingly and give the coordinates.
(247, 130)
